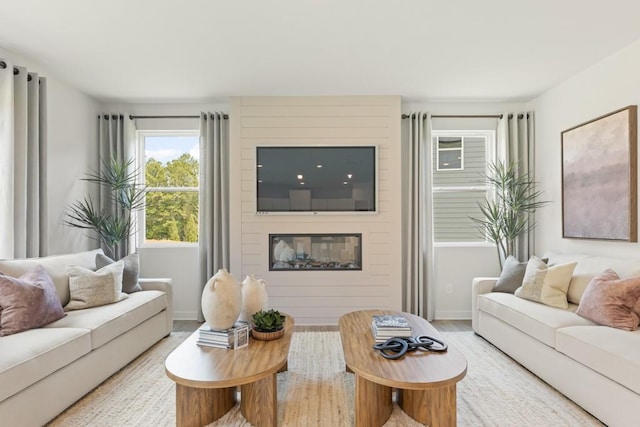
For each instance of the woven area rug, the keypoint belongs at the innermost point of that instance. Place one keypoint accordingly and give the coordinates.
(317, 392)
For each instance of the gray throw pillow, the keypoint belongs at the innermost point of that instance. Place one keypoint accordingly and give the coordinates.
(511, 277)
(131, 270)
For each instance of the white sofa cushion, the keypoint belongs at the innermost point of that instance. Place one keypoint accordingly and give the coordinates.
(29, 356)
(588, 267)
(109, 321)
(612, 352)
(537, 320)
(56, 266)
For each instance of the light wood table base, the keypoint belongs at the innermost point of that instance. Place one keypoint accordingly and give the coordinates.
(258, 403)
(433, 407)
(373, 404)
(197, 407)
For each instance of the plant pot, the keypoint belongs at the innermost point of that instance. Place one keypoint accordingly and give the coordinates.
(267, 336)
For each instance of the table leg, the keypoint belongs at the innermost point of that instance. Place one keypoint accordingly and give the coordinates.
(259, 402)
(433, 407)
(373, 404)
(196, 407)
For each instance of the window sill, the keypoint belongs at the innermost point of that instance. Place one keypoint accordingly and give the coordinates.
(464, 245)
(176, 245)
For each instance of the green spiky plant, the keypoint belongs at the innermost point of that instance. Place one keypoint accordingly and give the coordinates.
(268, 320)
(506, 214)
(113, 226)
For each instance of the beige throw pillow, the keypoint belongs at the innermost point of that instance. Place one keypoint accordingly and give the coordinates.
(548, 285)
(93, 288)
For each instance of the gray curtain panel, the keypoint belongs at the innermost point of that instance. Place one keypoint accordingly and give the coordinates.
(116, 140)
(417, 230)
(213, 224)
(23, 129)
(516, 142)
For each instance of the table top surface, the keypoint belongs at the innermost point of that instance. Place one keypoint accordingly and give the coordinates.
(415, 370)
(206, 367)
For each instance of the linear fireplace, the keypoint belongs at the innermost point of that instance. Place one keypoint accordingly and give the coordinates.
(313, 252)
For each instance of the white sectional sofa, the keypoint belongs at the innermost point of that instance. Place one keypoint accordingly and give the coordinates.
(45, 370)
(598, 367)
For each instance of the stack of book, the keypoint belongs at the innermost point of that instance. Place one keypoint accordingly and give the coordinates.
(232, 338)
(390, 325)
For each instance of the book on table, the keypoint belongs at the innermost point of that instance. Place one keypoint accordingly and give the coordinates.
(235, 337)
(388, 326)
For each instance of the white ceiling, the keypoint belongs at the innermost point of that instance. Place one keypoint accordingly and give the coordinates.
(423, 50)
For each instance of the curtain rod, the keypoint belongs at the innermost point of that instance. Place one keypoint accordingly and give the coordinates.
(463, 116)
(131, 117)
(224, 116)
(16, 70)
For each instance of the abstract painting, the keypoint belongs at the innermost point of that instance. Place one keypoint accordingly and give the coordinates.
(599, 178)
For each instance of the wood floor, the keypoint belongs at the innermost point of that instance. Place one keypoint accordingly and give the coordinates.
(441, 325)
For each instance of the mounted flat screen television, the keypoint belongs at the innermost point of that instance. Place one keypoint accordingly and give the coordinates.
(316, 179)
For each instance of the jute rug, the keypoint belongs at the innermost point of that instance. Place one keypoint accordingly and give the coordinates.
(317, 392)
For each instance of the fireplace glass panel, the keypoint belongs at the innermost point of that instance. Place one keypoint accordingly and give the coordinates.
(313, 252)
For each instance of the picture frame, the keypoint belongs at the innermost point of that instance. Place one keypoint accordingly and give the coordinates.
(599, 178)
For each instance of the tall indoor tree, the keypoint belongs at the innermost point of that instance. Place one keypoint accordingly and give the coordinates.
(506, 214)
(113, 224)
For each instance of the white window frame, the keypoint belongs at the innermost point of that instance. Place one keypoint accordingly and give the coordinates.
(490, 156)
(438, 150)
(141, 235)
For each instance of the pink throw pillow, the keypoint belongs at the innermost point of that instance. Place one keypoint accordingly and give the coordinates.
(29, 301)
(612, 301)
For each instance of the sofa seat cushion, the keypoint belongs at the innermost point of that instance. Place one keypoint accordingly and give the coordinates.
(537, 320)
(29, 356)
(612, 352)
(109, 321)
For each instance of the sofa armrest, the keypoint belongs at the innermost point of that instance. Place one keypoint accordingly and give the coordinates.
(479, 286)
(163, 285)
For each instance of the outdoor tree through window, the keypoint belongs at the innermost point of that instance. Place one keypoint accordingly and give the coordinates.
(171, 171)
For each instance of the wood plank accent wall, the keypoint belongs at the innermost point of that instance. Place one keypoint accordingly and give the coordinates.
(319, 297)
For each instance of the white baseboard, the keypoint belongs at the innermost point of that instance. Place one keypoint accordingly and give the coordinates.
(185, 315)
(452, 315)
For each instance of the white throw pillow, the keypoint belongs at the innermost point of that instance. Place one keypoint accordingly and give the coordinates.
(93, 288)
(548, 285)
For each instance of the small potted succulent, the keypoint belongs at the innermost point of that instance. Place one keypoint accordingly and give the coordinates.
(268, 325)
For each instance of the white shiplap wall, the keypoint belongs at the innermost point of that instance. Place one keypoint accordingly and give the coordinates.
(319, 297)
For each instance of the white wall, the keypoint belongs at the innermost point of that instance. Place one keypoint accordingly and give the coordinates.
(605, 87)
(319, 297)
(71, 150)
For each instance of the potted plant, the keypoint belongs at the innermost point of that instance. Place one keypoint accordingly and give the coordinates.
(506, 215)
(113, 225)
(268, 325)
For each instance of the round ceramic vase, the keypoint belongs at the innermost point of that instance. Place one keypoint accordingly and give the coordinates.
(254, 297)
(221, 300)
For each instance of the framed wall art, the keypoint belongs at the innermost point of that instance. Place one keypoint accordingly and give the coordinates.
(599, 178)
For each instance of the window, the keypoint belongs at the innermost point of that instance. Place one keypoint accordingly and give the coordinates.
(450, 153)
(460, 163)
(171, 174)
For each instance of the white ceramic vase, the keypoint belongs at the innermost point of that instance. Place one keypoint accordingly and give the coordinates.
(221, 300)
(254, 297)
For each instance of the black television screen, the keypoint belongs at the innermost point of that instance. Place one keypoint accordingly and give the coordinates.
(316, 179)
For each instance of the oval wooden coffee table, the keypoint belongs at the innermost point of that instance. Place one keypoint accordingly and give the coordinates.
(425, 381)
(206, 379)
